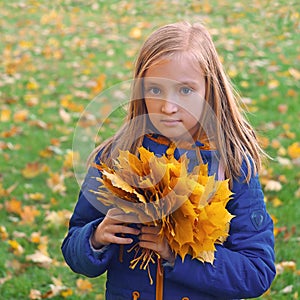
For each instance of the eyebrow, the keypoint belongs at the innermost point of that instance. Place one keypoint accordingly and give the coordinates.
(157, 81)
(189, 82)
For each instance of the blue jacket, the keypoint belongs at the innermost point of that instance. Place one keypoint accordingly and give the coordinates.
(243, 266)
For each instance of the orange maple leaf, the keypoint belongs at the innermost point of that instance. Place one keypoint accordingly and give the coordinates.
(32, 170)
(84, 285)
(14, 206)
(28, 214)
(192, 213)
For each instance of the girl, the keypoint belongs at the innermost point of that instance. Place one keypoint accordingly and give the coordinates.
(181, 95)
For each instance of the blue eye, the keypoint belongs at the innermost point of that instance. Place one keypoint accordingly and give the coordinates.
(154, 91)
(186, 90)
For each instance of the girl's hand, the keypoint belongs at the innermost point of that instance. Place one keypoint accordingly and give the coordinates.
(150, 239)
(113, 224)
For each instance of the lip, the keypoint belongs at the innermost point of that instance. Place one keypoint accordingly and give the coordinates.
(170, 122)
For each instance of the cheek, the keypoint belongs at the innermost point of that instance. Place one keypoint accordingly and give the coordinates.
(194, 108)
(152, 105)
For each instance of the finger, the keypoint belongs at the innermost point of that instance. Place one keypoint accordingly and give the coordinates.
(150, 229)
(146, 237)
(149, 245)
(114, 234)
(120, 216)
(115, 229)
(120, 240)
(114, 212)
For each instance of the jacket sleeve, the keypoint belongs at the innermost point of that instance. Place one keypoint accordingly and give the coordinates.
(76, 247)
(244, 264)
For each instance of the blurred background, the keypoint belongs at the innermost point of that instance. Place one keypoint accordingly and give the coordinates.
(57, 56)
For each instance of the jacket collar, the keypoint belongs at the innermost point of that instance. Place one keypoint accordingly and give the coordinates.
(202, 145)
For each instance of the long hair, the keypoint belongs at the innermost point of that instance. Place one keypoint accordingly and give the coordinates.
(233, 136)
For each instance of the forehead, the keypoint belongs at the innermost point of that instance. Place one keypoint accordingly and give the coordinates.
(179, 68)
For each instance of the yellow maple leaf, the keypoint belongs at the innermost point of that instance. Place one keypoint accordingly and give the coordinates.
(294, 150)
(5, 115)
(3, 233)
(135, 33)
(15, 247)
(69, 157)
(190, 207)
(36, 196)
(32, 84)
(117, 182)
(183, 228)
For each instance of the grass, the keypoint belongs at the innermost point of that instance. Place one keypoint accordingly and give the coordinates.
(52, 53)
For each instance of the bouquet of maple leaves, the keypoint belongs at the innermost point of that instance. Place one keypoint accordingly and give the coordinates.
(190, 207)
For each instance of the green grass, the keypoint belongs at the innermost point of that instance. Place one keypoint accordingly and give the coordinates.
(64, 45)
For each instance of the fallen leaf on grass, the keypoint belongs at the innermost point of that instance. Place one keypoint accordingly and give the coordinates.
(294, 150)
(295, 73)
(32, 169)
(3, 233)
(21, 116)
(285, 266)
(290, 233)
(36, 196)
(135, 33)
(47, 152)
(58, 218)
(276, 202)
(3, 191)
(273, 84)
(273, 185)
(39, 123)
(65, 116)
(67, 102)
(99, 84)
(15, 265)
(56, 183)
(284, 161)
(55, 289)
(282, 108)
(35, 237)
(13, 206)
(32, 84)
(70, 156)
(40, 258)
(4, 279)
(83, 285)
(288, 289)
(13, 131)
(15, 247)
(28, 214)
(31, 99)
(5, 115)
(35, 294)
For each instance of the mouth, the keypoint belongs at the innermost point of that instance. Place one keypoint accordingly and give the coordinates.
(170, 122)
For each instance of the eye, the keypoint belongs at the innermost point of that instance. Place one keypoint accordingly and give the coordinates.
(186, 90)
(155, 91)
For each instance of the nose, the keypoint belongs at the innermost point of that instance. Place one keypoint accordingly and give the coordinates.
(169, 107)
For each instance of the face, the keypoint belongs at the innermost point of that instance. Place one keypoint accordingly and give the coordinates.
(174, 91)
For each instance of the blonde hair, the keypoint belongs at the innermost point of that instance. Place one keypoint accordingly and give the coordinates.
(234, 138)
